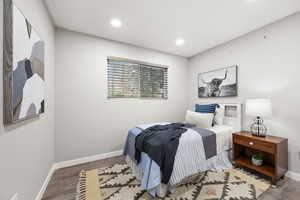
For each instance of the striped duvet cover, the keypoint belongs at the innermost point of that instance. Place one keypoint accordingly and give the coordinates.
(189, 160)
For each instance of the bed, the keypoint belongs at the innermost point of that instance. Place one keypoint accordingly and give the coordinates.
(191, 156)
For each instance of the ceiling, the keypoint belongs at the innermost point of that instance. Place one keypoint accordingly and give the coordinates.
(156, 24)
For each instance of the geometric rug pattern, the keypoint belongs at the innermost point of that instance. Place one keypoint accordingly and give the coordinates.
(118, 183)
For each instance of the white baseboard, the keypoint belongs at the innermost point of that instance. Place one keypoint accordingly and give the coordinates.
(45, 184)
(69, 163)
(293, 175)
(78, 161)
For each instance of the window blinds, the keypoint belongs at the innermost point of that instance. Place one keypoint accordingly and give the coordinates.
(134, 79)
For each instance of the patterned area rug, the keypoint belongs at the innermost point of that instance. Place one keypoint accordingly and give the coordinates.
(118, 183)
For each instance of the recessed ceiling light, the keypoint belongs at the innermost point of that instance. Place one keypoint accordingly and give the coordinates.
(179, 41)
(116, 23)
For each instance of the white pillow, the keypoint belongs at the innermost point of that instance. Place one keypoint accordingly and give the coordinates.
(202, 120)
(219, 115)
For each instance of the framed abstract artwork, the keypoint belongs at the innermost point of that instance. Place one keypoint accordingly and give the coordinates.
(23, 63)
(218, 83)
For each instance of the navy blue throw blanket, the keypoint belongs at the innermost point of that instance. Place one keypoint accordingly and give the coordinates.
(160, 142)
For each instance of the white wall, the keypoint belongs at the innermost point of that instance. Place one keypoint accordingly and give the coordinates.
(27, 149)
(269, 68)
(87, 123)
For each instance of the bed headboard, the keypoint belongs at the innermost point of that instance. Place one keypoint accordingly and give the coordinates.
(233, 115)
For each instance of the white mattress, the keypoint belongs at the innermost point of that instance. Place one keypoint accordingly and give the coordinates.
(223, 137)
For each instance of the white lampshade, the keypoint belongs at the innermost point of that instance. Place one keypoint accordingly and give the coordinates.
(259, 107)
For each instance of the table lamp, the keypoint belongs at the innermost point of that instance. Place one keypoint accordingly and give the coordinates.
(258, 108)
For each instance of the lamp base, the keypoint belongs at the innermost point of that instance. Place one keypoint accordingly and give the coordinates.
(254, 134)
(258, 128)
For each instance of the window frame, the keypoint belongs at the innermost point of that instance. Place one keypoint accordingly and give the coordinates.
(142, 63)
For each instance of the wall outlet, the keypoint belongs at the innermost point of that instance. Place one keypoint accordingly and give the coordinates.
(15, 197)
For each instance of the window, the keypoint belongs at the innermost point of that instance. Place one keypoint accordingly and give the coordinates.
(134, 79)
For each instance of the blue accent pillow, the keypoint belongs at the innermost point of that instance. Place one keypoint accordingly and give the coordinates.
(209, 108)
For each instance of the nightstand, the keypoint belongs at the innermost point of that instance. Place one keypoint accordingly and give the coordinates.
(274, 151)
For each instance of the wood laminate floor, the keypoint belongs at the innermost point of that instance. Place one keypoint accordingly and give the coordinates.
(62, 185)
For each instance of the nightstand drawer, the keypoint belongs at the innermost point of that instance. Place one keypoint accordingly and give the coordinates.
(255, 144)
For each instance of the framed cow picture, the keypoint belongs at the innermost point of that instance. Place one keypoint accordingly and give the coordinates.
(218, 83)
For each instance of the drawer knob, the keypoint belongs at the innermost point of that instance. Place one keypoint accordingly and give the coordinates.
(251, 143)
